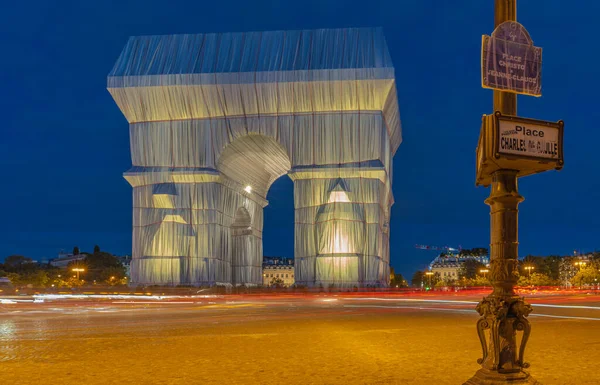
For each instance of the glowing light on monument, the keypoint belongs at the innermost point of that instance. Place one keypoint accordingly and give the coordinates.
(338, 196)
(341, 243)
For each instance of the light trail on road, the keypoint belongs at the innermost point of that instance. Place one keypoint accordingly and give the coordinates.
(177, 332)
(461, 302)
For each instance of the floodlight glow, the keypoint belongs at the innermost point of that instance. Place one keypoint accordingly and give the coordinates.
(248, 189)
(338, 196)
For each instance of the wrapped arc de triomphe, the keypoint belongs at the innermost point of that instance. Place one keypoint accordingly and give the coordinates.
(215, 119)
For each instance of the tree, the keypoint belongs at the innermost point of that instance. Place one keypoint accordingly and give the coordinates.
(96, 249)
(276, 282)
(474, 252)
(552, 267)
(433, 280)
(470, 269)
(420, 278)
(112, 275)
(397, 280)
(477, 281)
(37, 278)
(535, 279)
(567, 270)
(18, 263)
(417, 278)
(101, 265)
(75, 250)
(588, 275)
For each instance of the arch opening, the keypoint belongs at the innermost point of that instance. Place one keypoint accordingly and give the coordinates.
(255, 161)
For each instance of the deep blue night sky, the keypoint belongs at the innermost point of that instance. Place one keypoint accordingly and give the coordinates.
(64, 143)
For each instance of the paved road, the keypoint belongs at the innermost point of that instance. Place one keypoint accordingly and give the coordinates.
(320, 339)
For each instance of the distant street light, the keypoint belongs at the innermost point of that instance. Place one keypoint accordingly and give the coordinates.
(484, 272)
(78, 270)
(581, 265)
(429, 273)
(529, 268)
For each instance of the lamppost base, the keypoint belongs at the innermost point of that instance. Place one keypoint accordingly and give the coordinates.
(490, 377)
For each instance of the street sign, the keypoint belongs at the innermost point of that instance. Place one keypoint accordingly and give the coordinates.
(528, 138)
(514, 143)
(510, 62)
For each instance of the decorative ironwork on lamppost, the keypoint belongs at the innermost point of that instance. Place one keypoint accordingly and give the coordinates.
(509, 147)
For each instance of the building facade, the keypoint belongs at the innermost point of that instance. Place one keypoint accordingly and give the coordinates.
(447, 271)
(63, 259)
(448, 267)
(278, 270)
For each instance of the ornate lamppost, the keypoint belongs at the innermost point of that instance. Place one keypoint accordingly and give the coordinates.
(509, 147)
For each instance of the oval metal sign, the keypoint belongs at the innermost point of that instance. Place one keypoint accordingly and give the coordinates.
(510, 62)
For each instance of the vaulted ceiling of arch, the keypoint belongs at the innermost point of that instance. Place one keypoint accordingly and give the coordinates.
(255, 161)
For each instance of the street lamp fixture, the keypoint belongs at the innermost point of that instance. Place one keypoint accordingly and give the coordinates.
(581, 265)
(484, 272)
(529, 268)
(429, 274)
(78, 270)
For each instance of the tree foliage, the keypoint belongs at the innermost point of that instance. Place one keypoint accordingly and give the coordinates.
(588, 275)
(421, 279)
(276, 282)
(470, 269)
(18, 264)
(536, 279)
(567, 270)
(37, 278)
(101, 265)
(396, 279)
(474, 252)
(417, 279)
(477, 281)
